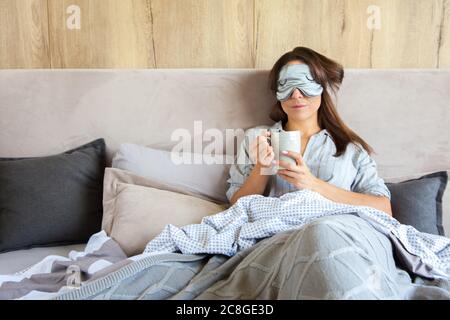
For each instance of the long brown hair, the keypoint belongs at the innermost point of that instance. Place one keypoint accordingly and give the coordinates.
(329, 74)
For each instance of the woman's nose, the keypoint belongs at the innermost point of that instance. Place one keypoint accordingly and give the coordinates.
(297, 93)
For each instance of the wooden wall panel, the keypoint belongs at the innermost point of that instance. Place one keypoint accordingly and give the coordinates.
(24, 34)
(222, 33)
(444, 50)
(203, 33)
(113, 34)
(285, 24)
(410, 33)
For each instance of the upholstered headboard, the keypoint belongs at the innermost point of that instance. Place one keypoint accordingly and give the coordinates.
(403, 114)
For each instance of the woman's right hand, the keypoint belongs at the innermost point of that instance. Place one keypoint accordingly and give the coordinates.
(261, 152)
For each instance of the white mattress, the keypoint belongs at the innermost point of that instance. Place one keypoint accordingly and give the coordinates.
(11, 262)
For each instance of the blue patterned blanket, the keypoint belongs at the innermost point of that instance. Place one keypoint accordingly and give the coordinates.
(255, 217)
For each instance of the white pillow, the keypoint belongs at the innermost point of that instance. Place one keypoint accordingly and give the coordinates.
(206, 181)
(134, 213)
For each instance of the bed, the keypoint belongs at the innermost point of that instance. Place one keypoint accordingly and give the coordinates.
(402, 114)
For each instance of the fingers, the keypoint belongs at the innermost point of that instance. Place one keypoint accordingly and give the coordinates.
(289, 166)
(289, 173)
(289, 179)
(263, 145)
(262, 139)
(259, 142)
(294, 155)
(253, 152)
(260, 150)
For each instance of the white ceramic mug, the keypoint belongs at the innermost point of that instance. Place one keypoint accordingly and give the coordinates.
(282, 140)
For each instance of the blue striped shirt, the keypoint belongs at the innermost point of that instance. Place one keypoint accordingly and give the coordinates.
(354, 170)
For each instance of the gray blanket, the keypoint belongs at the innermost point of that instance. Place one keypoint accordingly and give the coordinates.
(340, 257)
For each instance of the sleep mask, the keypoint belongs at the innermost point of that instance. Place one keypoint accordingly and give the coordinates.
(296, 76)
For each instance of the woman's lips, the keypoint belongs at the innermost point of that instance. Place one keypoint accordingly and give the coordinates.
(299, 106)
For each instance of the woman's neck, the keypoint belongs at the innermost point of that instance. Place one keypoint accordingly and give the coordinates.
(307, 128)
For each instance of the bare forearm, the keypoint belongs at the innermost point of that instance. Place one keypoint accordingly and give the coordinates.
(255, 184)
(348, 197)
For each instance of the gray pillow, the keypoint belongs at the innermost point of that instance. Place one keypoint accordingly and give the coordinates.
(52, 200)
(418, 202)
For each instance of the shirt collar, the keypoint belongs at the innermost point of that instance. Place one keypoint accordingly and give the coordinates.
(279, 125)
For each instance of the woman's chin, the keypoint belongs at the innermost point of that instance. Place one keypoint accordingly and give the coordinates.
(299, 116)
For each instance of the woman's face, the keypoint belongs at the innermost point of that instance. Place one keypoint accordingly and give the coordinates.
(300, 107)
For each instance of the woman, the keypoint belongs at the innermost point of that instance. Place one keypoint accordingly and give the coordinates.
(334, 161)
(343, 250)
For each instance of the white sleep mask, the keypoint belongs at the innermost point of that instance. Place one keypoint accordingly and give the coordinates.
(296, 76)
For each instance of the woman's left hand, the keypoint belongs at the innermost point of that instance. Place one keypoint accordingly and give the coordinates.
(297, 174)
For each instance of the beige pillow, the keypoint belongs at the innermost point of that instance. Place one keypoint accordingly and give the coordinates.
(134, 213)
